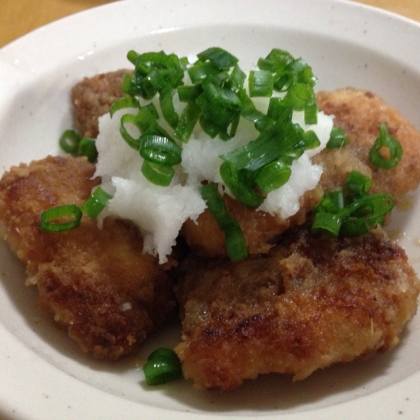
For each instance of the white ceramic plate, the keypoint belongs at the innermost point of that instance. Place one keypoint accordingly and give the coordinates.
(43, 375)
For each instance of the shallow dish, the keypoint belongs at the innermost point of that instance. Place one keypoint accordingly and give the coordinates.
(44, 375)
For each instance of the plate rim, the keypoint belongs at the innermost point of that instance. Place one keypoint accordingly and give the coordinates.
(17, 353)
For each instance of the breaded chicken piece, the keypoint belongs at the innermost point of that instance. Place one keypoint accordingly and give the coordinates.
(94, 282)
(311, 302)
(359, 113)
(93, 97)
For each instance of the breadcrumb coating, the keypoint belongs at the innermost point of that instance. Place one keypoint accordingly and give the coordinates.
(96, 283)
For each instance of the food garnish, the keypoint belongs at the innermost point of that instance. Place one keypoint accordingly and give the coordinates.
(162, 366)
(351, 211)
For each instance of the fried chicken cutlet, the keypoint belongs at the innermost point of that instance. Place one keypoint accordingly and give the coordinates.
(360, 113)
(96, 283)
(93, 97)
(310, 302)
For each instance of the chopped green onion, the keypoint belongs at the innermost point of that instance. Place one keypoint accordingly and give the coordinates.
(122, 103)
(385, 141)
(237, 77)
(69, 141)
(68, 211)
(87, 147)
(220, 96)
(298, 96)
(357, 185)
(162, 366)
(219, 57)
(337, 138)
(189, 93)
(157, 174)
(251, 113)
(200, 71)
(276, 61)
(239, 185)
(273, 176)
(281, 138)
(327, 223)
(189, 117)
(167, 106)
(160, 150)
(215, 119)
(311, 111)
(96, 203)
(127, 120)
(234, 237)
(366, 213)
(146, 117)
(351, 211)
(260, 83)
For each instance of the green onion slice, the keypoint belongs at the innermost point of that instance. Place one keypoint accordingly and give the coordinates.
(327, 223)
(260, 83)
(337, 138)
(273, 176)
(219, 57)
(187, 121)
(87, 147)
(160, 150)
(385, 141)
(167, 106)
(157, 174)
(69, 141)
(356, 186)
(352, 211)
(96, 203)
(122, 103)
(68, 211)
(366, 213)
(126, 120)
(240, 186)
(234, 238)
(162, 366)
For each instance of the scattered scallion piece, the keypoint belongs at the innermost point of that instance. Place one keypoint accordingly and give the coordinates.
(273, 175)
(222, 59)
(71, 214)
(392, 148)
(159, 150)
(234, 237)
(260, 83)
(337, 138)
(157, 174)
(87, 147)
(241, 185)
(162, 366)
(96, 203)
(69, 141)
(351, 211)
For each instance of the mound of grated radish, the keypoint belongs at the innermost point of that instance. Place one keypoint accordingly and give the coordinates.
(160, 212)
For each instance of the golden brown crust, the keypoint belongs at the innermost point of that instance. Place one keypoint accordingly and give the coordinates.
(93, 97)
(312, 301)
(96, 283)
(360, 113)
